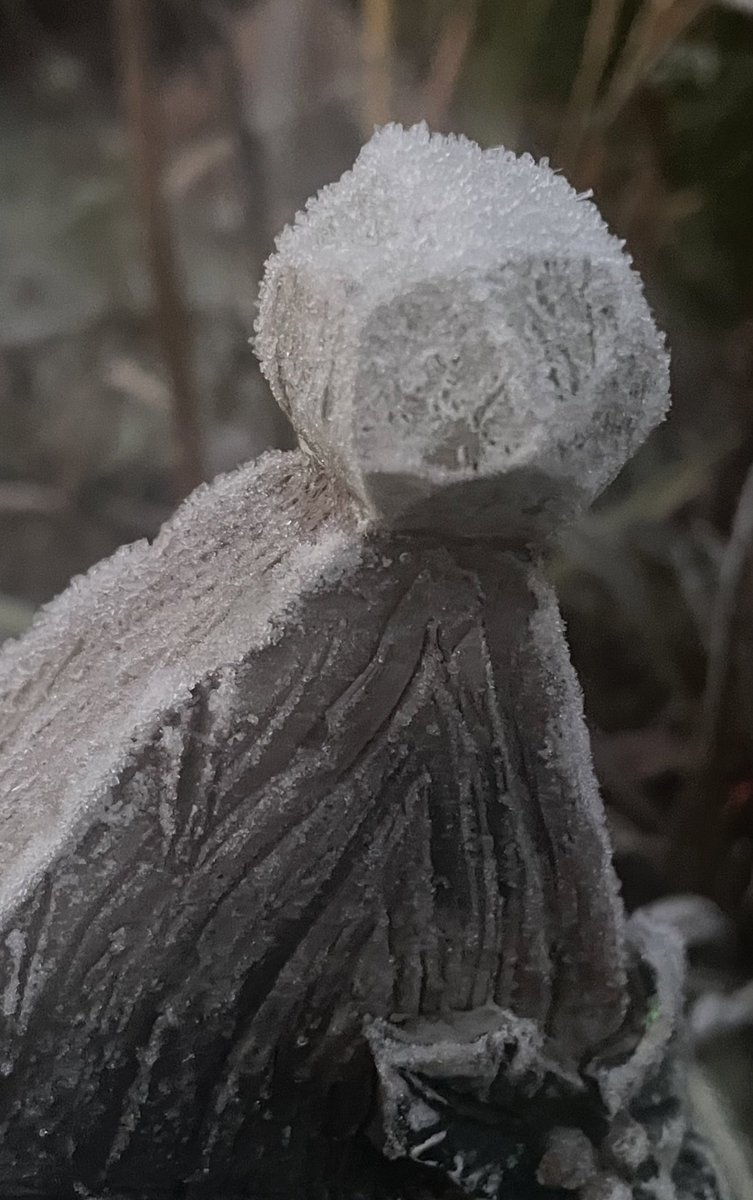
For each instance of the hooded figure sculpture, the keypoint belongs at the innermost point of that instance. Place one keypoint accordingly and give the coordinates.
(306, 888)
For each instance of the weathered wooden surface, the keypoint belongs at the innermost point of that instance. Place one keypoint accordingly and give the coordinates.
(278, 809)
(232, 839)
(305, 888)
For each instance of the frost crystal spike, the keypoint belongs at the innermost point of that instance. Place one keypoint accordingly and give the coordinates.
(305, 887)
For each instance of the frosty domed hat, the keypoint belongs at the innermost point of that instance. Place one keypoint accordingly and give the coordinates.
(458, 337)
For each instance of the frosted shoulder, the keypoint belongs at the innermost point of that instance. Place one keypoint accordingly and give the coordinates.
(457, 336)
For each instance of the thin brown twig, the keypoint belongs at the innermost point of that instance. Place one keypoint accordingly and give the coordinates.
(598, 44)
(698, 846)
(143, 117)
(376, 53)
(449, 59)
(656, 26)
(250, 152)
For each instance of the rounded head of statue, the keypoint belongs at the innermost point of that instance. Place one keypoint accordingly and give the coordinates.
(456, 335)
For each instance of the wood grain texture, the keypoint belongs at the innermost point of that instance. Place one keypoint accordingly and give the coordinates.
(266, 784)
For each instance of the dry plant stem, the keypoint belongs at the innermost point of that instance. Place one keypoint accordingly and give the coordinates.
(657, 25)
(698, 846)
(597, 47)
(376, 51)
(249, 150)
(143, 118)
(520, 28)
(452, 50)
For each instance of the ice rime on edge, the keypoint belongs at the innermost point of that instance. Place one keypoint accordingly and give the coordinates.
(458, 336)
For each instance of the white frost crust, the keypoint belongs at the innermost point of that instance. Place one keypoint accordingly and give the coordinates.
(456, 334)
(126, 642)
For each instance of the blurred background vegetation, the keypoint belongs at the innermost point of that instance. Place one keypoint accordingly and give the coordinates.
(149, 153)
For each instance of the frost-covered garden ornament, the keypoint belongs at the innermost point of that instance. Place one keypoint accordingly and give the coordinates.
(306, 888)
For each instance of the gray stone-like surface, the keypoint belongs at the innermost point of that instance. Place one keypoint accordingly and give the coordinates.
(457, 335)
